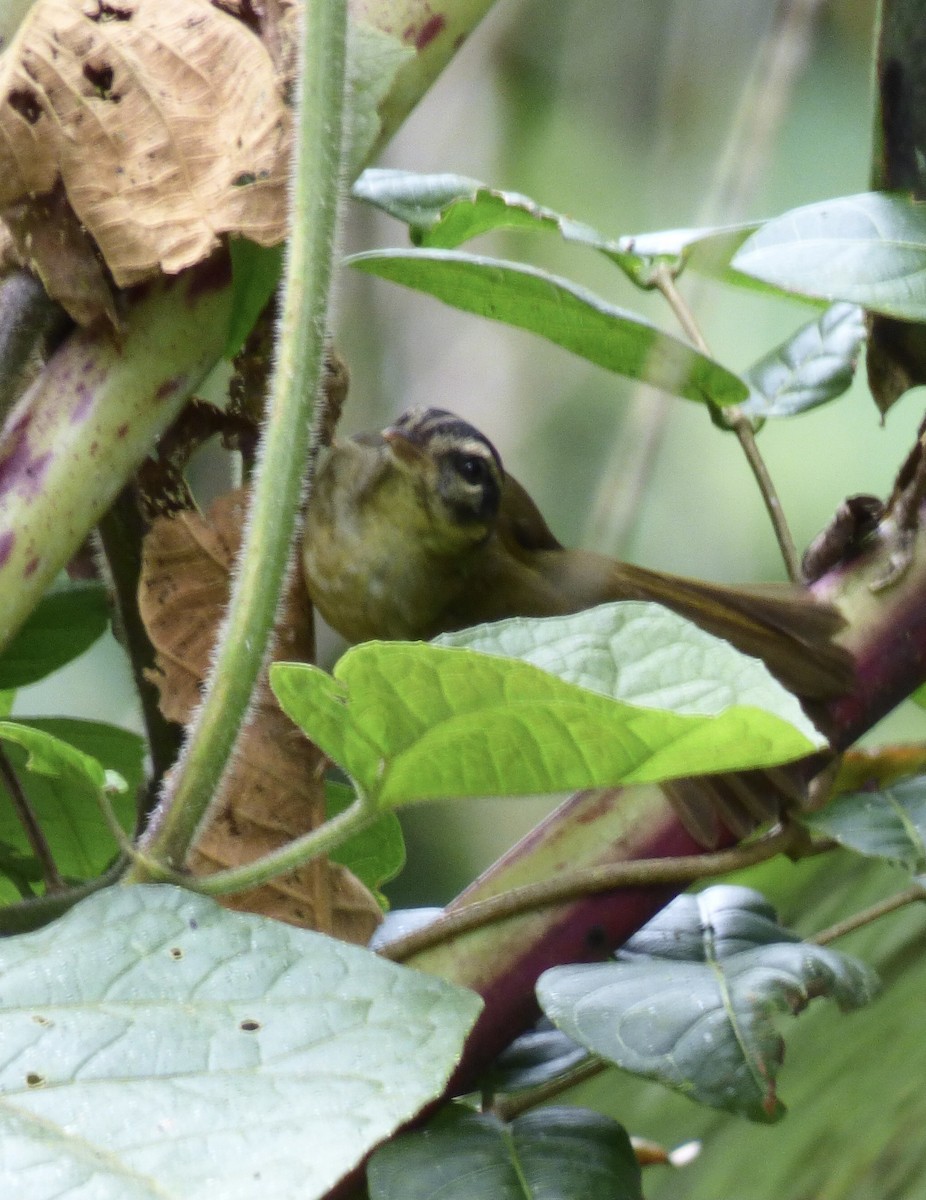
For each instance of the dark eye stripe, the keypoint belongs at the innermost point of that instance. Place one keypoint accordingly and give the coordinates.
(437, 428)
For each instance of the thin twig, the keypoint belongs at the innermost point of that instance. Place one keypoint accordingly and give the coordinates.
(31, 826)
(740, 424)
(745, 433)
(910, 895)
(511, 1105)
(777, 66)
(590, 881)
(121, 531)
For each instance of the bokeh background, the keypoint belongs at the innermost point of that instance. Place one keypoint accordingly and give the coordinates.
(631, 117)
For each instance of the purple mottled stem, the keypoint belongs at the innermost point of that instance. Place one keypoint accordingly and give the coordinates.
(91, 417)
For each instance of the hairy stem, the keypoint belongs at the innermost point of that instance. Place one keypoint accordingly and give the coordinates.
(276, 488)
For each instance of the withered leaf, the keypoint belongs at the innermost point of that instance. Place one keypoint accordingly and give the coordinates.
(164, 120)
(273, 792)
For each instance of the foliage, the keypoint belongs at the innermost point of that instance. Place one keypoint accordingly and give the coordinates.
(159, 1044)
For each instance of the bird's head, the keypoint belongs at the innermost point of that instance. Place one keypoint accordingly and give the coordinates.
(455, 470)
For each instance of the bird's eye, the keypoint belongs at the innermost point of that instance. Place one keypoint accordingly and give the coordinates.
(471, 468)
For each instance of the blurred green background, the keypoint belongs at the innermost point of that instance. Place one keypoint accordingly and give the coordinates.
(639, 116)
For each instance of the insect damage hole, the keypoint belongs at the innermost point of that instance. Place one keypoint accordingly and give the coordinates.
(100, 77)
(25, 103)
(249, 1025)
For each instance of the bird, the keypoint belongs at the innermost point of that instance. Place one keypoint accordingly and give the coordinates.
(418, 530)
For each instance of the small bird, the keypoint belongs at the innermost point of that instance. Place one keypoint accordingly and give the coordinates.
(418, 530)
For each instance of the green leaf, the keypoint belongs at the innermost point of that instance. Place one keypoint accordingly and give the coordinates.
(708, 251)
(256, 272)
(410, 722)
(61, 766)
(551, 1154)
(690, 1000)
(444, 211)
(640, 653)
(535, 1059)
(813, 367)
(64, 624)
(374, 61)
(890, 823)
(868, 249)
(377, 853)
(563, 313)
(155, 1044)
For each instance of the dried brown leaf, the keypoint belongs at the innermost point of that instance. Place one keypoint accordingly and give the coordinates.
(273, 792)
(164, 120)
(49, 239)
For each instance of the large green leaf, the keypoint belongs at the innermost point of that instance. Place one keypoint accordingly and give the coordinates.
(63, 625)
(690, 1000)
(409, 721)
(868, 249)
(563, 313)
(154, 1046)
(550, 1154)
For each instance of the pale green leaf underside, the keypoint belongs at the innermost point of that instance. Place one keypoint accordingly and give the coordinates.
(868, 249)
(811, 368)
(154, 1045)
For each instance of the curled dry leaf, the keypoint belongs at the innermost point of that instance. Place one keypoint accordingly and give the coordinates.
(164, 121)
(273, 792)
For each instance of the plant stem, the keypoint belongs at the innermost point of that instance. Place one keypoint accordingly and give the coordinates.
(121, 530)
(741, 426)
(31, 826)
(605, 878)
(27, 318)
(507, 1107)
(910, 895)
(279, 862)
(277, 483)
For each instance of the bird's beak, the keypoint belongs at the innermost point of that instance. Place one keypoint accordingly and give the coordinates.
(402, 446)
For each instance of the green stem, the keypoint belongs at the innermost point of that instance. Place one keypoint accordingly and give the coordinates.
(277, 483)
(911, 895)
(279, 862)
(563, 889)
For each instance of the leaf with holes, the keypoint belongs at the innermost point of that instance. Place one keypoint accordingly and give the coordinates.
(155, 1044)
